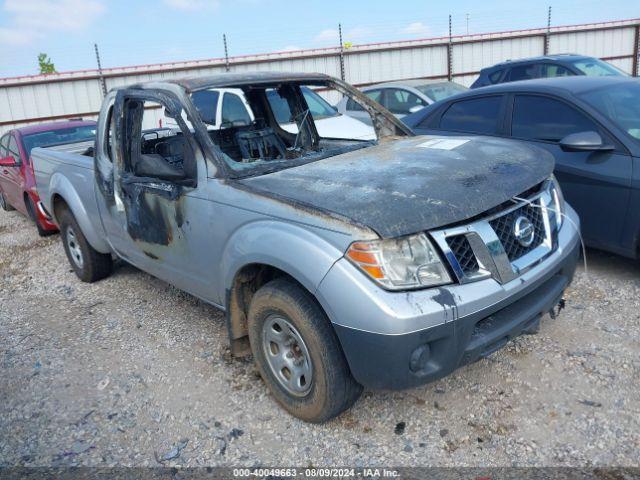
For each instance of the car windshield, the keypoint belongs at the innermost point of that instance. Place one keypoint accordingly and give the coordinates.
(59, 136)
(620, 104)
(592, 67)
(318, 106)
(440, 91)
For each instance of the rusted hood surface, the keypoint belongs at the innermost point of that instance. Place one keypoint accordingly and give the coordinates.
(410, 185)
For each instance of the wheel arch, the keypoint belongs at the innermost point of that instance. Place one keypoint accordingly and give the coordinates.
(246, 282)
(63, 195)
(264, 250)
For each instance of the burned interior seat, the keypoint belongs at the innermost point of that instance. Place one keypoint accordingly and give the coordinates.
(262, 144)
(172, 149)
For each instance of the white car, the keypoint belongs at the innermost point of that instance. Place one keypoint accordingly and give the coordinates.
(225, 107)
(401, 98)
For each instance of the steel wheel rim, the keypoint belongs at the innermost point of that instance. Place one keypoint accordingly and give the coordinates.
(74, 248)
(287, 355)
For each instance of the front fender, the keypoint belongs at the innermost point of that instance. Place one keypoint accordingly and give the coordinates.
(296, 250)
(61, 186)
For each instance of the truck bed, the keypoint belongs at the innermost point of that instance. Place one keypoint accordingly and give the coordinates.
(80, 148)
(65, 171)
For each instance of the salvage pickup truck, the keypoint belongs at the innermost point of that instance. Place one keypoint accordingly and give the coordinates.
(340, 264)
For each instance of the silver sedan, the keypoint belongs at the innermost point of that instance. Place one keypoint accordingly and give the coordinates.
(401, 98)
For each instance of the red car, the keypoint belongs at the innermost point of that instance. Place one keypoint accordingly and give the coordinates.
(17, 180)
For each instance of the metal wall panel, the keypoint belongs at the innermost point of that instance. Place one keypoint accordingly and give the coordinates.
(465, 80)
(472, 57)
(624, 64)
(387, 65)
(602, 43)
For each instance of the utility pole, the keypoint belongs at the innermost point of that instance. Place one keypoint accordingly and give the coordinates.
(636, 52)
(450, 53)
(226, 52)
(103, 84)
(341, 51)
(548, 34)
(467, 24)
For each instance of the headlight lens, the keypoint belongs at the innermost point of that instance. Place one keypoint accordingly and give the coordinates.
(554, 201)
(402, 263)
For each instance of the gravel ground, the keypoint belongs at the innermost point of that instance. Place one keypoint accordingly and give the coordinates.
(132, 372)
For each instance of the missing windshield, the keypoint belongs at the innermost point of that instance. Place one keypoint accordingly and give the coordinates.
(268, 127)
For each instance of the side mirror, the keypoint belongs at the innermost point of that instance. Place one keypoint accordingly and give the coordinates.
(416, 108)
(584, 142)
(9, 161)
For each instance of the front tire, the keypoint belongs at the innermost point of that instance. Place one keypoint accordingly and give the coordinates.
(87, 263)
(298, 354)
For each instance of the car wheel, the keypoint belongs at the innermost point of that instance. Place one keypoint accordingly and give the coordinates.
(88, 264)
(3, 203)
(298, 354)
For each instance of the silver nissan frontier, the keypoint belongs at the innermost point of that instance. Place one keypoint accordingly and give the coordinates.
(341, 264)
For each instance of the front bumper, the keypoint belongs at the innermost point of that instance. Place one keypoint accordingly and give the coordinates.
(403, 339)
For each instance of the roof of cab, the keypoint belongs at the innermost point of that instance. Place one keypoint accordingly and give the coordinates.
(240, 79)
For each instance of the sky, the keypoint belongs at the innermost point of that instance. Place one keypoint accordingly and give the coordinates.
(138, 32)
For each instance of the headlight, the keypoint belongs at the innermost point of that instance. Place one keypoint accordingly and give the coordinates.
(554, 201)
(402, 263)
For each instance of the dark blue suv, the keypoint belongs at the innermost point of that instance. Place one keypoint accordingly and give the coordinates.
(561, 65)
(591, 125)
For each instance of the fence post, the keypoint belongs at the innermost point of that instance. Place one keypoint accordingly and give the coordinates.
(103, 84)
(341, 52)
(548, 34)
(636, 53)
(450, 53)
(226, 52)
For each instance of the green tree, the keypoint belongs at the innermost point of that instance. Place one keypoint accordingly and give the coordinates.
(46, 65)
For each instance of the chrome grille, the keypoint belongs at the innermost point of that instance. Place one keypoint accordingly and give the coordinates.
(504, 228)
(488, 247)
(461, 249)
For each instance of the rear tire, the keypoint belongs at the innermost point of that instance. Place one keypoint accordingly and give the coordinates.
(289, 332)
(88, 264)
(3, 203)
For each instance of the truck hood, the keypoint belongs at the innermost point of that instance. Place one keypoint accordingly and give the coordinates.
(420, 183)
